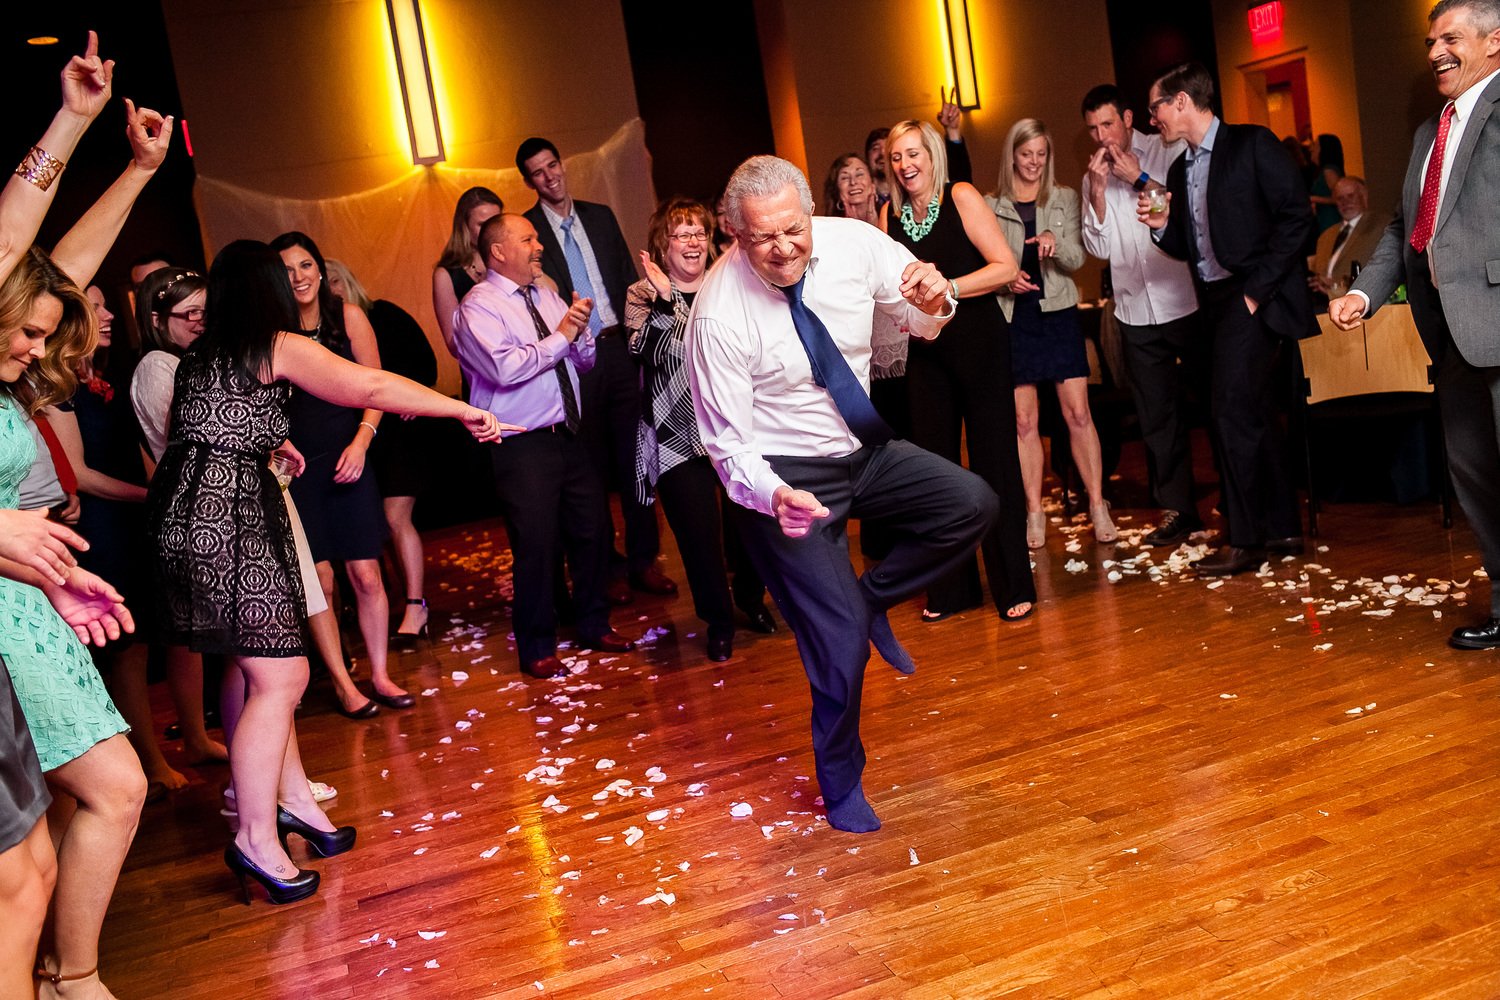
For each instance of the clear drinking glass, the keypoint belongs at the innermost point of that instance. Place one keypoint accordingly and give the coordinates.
(281, 468)
(1157, 200)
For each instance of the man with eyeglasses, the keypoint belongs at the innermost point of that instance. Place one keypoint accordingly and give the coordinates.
(779, 363)
(583, 250)
(1237, 211)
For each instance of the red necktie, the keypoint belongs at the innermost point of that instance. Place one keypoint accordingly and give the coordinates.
(1427, 208)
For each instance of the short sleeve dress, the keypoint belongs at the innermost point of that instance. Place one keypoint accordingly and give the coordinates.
(60, 692)
(226, 567)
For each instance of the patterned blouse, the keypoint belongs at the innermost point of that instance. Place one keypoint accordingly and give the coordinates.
(668, 432)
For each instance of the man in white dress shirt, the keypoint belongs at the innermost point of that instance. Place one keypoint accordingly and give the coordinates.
(779, 361)
(1156, 306)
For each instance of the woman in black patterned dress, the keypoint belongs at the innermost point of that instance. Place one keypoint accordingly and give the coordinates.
(226, 568)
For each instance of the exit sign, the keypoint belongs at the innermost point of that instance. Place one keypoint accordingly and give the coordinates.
(1265, 22)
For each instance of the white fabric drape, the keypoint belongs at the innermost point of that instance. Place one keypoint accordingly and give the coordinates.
(391, 236)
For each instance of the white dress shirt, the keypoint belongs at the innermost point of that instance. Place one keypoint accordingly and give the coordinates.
(1150, 286)
(151, 389)
(605, 308)
(753, 388)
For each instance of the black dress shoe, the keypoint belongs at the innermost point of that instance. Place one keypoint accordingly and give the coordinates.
(609, 642)
(321, 842)
(720, 648)
(1485, 636)
(1229, 560)
(546, 667)
(1291, 545)
(1174, 529)
(395, 700)
(653, 581)
(618, 592)
(760, 617)
(366, 711)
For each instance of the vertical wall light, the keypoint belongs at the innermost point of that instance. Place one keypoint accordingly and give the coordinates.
(416, 80)
(961, 53)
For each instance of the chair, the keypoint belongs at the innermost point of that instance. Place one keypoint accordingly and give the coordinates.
(1379, 368)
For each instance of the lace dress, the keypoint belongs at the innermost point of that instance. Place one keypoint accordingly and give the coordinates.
(226, 569)
(60, 692)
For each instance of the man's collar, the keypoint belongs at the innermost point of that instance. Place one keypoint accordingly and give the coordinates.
(500, 281)
(1207, 145)
(1463, 104)
(555, 217)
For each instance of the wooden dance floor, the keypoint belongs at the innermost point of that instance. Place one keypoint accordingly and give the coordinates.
(1283, 785)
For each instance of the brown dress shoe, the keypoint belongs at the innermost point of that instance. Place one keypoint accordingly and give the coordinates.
(1229, 560)
(608, 642)
(618, 593)
(547, 666)
(653, 581)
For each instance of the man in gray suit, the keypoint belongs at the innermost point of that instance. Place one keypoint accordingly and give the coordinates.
(1445, 244)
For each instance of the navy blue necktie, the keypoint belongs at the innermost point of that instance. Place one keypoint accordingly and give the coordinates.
(833, 373)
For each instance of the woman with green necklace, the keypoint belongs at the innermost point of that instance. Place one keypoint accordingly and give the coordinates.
(960, 384)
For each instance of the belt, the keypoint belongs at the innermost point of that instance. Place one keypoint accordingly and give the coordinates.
(610, 331)
(560, 429)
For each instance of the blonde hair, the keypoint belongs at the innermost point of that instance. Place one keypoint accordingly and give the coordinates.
(52, 379)
(932, 142)
(1019, 135)
(353, 291)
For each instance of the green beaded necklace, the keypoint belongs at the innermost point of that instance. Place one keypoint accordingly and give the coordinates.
(914, 230)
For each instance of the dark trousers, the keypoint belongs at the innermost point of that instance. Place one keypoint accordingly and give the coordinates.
(552, 503)
(610, 394)
(962, 393)
(1163, 359)
(938, 512)
(1258, 498)
(690, 495)
(1469, 399)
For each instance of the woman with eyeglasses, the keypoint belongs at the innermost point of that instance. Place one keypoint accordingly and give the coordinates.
(671, 462)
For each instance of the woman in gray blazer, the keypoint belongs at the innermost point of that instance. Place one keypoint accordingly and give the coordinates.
(1040, 220)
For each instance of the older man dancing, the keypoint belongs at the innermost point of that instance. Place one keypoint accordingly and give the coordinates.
(779, 355)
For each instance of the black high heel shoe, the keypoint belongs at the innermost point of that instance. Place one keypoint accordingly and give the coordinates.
(408, 640)
(279, 890)
(321, 843)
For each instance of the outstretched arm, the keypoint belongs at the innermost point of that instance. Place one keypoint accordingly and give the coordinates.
(81, 251)
(25, 199)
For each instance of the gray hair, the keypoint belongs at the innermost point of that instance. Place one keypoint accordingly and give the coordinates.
(762, 177)
(1484, 15)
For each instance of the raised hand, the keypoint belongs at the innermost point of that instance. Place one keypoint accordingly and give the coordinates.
(86, 81)
(796, 510)
(149, 133)
(577, 319)
(1156, 220)
(1126, 165)
(94, 609)
(924, 287)
(949, 112)
(27, 537)
(656, 276)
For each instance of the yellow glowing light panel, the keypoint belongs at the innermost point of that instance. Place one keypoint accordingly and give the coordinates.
(961, 53)
(416, 80)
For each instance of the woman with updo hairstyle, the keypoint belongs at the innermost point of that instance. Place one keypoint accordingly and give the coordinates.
(462, 264)
(169, 311)
(671, 462)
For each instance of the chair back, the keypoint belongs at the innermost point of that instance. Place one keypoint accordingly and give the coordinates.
(1382, 354)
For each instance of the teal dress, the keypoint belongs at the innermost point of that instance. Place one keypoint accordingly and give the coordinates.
(61, 694)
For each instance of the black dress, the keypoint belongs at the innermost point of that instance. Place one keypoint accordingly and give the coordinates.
(403, 448)
(1044, 346)
(961, 382)
(226, 568)
(23, 792)
(343, 521)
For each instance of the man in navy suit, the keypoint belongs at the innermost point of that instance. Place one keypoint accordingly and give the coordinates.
(1444, 243)
(584, 251)
(1238, 213)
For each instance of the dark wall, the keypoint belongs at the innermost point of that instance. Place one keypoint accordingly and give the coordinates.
(1149, 38)
(134, 35)
(701, 93)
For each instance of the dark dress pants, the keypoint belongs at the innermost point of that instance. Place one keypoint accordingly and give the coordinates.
(610, 394)
(552, 503)
(1469, 399)
(689, 494)
(937, 512)
(1162, 360)
(962, 394)
(1258, 498)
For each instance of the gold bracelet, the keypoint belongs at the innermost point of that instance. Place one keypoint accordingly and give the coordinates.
(366, 423)
(40, 168)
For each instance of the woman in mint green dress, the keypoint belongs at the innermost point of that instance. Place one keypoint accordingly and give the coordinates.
(46, 323)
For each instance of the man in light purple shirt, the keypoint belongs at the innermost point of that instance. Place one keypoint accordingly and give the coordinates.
(521, 348)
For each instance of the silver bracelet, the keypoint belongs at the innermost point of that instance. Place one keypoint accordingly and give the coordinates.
(366, 423)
